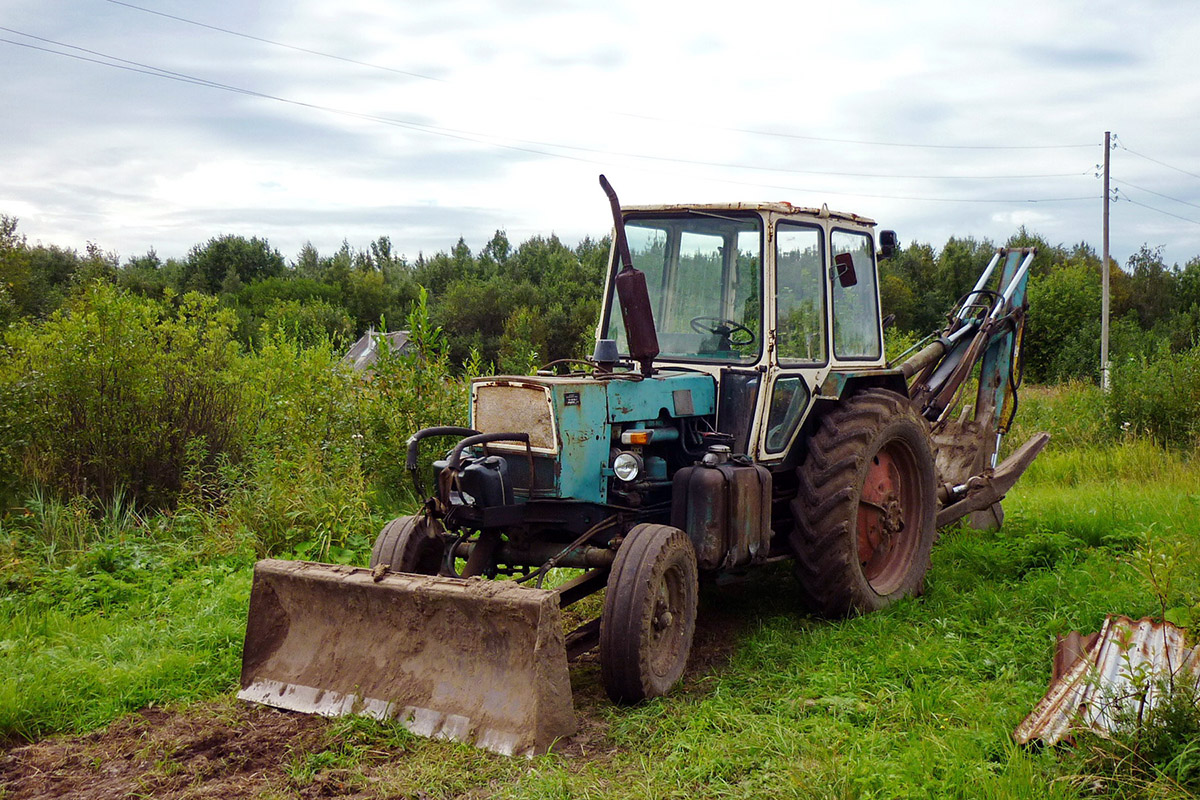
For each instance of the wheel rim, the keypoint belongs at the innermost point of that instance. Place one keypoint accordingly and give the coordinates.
(890, 510)
(667, 621)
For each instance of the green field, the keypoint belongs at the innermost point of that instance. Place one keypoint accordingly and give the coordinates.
(919, 700)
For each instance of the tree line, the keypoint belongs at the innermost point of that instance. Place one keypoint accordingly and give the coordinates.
(515, 306)
(512, 305)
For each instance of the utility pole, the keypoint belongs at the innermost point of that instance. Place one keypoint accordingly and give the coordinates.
(1104, 276)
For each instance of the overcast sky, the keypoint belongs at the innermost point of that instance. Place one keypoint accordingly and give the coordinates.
(426, 121)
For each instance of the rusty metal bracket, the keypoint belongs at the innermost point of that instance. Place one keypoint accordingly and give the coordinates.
(989, 487)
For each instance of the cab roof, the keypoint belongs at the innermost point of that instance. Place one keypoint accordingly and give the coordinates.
(783, 208)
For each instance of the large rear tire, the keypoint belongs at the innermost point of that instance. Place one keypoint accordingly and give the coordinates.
(649, 614)
(410, 544)
(864, 510)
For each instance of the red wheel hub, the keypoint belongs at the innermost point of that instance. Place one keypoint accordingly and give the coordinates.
(882, 545)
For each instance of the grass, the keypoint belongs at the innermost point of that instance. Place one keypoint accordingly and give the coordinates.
(128, 627)
(919, 700)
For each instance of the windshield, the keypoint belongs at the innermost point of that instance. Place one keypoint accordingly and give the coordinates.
(703, 273)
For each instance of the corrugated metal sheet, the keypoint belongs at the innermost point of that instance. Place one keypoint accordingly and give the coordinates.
(1121, 668)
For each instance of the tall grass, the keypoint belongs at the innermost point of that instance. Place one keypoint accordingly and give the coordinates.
(118, 593)
(107, 605)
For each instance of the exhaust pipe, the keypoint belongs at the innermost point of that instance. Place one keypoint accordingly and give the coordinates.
(632, 294)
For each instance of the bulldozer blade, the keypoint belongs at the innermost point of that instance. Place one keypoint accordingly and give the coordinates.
(468, 659)
(982, 491)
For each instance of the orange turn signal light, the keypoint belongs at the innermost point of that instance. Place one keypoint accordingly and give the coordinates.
(640, 437)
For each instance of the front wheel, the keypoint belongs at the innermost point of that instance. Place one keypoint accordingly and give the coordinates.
(649, 613)
(865, 507)
(410, 544)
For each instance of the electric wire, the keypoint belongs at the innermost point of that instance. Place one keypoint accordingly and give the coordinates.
(1160, 211)
(693, 162)
(145, 69)
(152, 71)
(275, 43)
(1156, 194)
(476, 137)
(690, 124)
(1156, 161)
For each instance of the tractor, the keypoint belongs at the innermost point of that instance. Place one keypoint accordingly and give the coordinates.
(738, 410)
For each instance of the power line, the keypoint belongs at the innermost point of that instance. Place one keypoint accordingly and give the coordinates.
(152, 71)
(1157, 194)
(1156, 161)
(279, 44)
(145, 69)
(471, 136)
(690, 124)
(1160, 211)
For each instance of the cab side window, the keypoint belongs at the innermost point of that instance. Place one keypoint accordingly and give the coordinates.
(800, 294)
(856, 332)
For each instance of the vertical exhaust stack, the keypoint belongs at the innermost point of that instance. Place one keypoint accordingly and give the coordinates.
(632, 294)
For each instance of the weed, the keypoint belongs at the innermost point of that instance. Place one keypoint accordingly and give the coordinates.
(1154, 749)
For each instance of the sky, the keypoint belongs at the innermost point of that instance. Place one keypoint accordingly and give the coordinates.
(322, 122)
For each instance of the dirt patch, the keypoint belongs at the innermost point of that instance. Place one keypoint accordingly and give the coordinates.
(227, 749)
(212, 750)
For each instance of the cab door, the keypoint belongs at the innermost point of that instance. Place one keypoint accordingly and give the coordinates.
(801, 338)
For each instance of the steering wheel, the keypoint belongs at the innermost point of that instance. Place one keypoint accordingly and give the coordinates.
(725, 328)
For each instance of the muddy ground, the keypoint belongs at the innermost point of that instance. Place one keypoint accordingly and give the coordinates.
(226, 749)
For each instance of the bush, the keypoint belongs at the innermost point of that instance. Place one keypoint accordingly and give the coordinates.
(309, 322)
(1154, 750)
(119, 394)
(1159, 397)
(409, 391)
(1074, 413)
(301, 487)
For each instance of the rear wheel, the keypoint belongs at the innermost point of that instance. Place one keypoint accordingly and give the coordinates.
(649, 613)
(410, 544)
(865, 507)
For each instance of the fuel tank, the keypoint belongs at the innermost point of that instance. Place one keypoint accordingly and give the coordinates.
(724, 504)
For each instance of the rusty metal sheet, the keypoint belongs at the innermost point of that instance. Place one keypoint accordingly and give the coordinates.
(510, 404)
(1121, 668)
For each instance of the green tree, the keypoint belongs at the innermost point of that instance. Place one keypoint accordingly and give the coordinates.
(208, 265)
(1062, 334)
(910, 280)
(1152, 286)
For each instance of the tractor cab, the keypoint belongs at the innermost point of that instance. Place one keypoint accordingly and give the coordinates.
(767, 298)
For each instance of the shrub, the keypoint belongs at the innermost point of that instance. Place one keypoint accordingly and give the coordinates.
(311, 322)
(120, 394)
(1154, 750)
(1159, 396)
(1073, 413)
(408, 391)
(300, 487)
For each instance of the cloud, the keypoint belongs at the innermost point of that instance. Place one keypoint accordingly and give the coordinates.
(134, 161)
(1034, 220)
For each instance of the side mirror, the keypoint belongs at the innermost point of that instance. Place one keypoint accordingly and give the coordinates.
(888, 244)
(843, 268)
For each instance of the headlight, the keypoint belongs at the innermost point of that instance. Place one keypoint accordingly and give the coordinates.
(627, 466)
